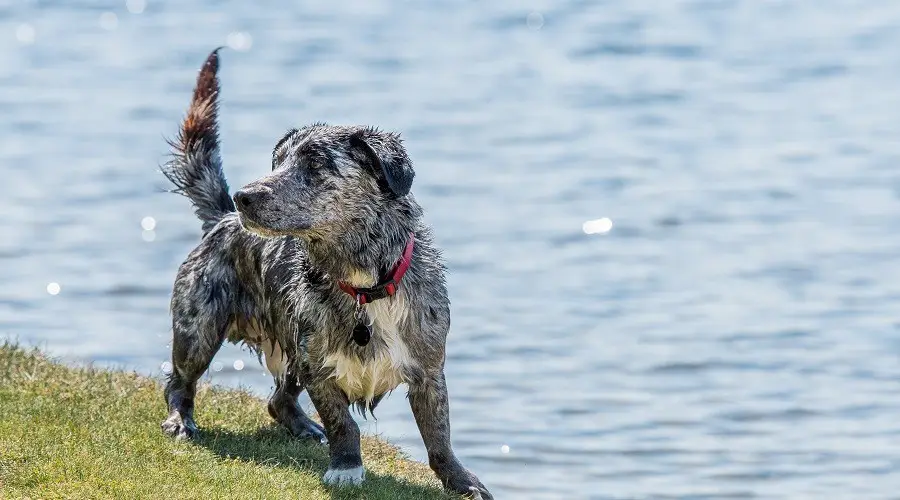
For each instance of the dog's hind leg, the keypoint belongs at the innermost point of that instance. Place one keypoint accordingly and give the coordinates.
(196, 337)
(289, 383)
(284, 408)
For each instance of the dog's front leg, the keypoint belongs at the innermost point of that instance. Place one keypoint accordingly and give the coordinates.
(431, 408)
(343, 434)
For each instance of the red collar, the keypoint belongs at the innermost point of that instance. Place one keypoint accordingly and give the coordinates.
(388, 285)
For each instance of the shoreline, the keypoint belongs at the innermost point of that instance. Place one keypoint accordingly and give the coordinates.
(88, 432)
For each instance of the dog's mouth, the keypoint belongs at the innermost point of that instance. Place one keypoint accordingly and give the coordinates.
(267, 231)
(257, 228)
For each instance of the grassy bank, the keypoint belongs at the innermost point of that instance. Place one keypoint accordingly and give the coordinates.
(90, 433)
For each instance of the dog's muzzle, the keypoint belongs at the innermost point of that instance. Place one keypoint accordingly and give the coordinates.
(248, 199)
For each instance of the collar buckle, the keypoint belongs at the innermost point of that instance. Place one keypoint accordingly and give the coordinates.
(387, 287)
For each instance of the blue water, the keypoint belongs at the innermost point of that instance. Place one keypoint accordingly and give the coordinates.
(734, 336)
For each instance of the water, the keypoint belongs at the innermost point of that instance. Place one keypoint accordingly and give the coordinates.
(733, 336)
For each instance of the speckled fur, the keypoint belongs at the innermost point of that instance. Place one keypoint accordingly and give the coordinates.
(336, 206)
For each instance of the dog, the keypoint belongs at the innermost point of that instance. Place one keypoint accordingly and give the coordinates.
(325, 268)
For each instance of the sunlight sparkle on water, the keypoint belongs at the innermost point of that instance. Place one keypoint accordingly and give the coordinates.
(597, 226)
(217, 366)
(535, 20)
(504, 449)
(238, 365)
(135, 6)
(148, 223)
(166, 367)
(240, 41)
(53, 288)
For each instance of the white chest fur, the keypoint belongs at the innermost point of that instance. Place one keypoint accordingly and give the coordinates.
(363, 379)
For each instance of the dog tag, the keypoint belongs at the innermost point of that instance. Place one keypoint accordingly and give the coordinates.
(362, 334)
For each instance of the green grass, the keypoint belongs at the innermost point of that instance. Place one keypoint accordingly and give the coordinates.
(90, 433)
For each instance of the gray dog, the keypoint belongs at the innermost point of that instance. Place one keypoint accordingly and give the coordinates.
(327, 269)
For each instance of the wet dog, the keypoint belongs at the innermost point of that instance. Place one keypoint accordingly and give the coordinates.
(325, 267)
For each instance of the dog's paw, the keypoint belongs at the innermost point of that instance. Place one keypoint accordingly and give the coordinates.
(179, 428)
(476, 493)
(467, 485)
(308, 430)
(337, 477)
(292, 418)
(303, 427)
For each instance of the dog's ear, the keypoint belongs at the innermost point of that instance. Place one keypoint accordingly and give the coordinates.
(389, 161)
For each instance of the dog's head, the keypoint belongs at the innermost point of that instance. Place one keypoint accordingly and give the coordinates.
(326, 179)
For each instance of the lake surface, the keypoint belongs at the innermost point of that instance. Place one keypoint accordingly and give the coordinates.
(735, 335)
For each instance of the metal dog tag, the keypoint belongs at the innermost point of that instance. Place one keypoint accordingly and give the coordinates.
(362, 332)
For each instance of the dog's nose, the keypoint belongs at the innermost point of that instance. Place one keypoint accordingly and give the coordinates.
(244, 200)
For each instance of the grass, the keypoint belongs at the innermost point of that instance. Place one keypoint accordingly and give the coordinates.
(83, 432)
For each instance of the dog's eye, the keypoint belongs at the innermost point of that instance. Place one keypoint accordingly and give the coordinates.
(313, 163)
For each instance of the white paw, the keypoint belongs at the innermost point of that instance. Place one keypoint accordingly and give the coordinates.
(345, 476)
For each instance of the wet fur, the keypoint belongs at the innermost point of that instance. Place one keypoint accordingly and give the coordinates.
(336, 206)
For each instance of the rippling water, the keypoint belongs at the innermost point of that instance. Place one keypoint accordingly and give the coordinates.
(735, 334)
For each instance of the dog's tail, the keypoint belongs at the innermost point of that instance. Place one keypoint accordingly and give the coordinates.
(196, 165)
